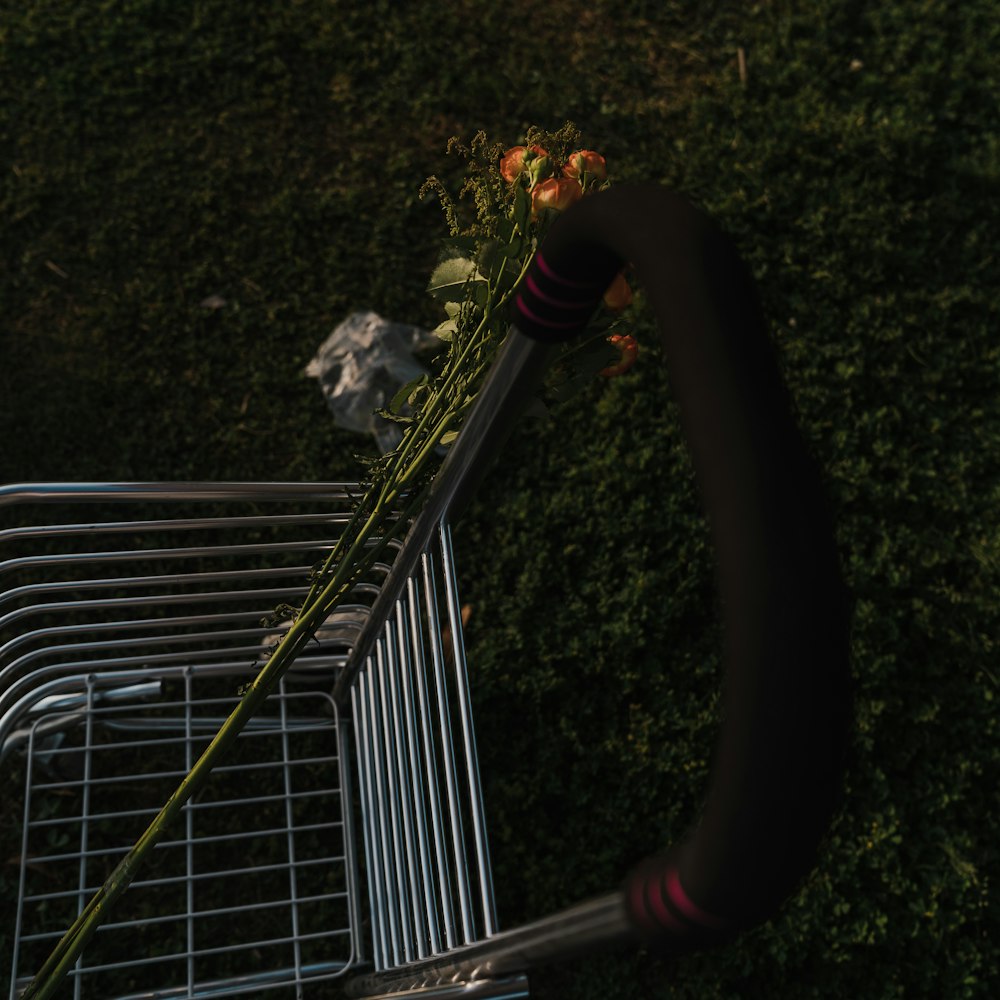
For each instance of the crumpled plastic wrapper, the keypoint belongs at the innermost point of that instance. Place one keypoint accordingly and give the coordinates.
(362, 365)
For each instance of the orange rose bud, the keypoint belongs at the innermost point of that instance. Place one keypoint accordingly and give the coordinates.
(556, 192)
(619, 295)
(586, 160)
(512, 165)
(630, 351)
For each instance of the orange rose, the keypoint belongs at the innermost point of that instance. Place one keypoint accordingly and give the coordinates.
(556, 192)
(586, 160)
(618, 295)
(630, 351)
(513, 164)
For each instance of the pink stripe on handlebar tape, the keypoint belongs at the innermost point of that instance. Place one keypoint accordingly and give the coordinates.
(552, 301)
(656, 904)
(549, 273)
(572, 325)
(683, 902)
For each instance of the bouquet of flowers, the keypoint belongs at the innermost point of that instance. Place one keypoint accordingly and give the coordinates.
(517, 193)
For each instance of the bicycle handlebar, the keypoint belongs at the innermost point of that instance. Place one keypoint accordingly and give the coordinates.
(778, 767)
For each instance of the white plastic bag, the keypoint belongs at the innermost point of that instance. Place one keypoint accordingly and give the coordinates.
(362, 365)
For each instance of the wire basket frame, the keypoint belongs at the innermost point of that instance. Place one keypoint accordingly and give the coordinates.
(123, 642)
(254, 885)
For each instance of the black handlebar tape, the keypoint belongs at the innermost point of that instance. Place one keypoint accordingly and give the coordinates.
(778, 766)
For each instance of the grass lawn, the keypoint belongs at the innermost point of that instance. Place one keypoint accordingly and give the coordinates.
(158, 153)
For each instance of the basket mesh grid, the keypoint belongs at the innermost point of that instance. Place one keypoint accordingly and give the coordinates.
(252, 881)
(126, 631)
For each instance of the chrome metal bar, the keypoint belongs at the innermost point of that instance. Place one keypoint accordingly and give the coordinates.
(448, 760)
(186, 524)
(148, 600)
(400, 780)
(189, 830)
(139, 555)
(376, 902)
(377, 729)
(464, 698)
(350, 849)
(429, 938)
(293, 885)
(431, 772)
(14, 493)
(177, 879)
(408, 765)
(392, 787)
(84, 824)
(601, 922)
(134, 625)
(25, 826)
(508, 988)
(519, 368)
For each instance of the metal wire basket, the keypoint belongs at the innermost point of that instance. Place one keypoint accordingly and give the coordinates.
(124, 643)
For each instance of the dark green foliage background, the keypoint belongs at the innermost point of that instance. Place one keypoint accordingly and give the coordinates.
(158, 152)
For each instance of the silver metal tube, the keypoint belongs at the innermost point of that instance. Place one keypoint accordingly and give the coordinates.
(463, 695)
(601, 923)
(430, 758)
(350, 849)
(419, 764)
(189, 830)
(508, 988)
(286, 777)
(423, 884)
(520, 365)
(448, 760)
(377, 731)
(367, 820)
(170, 524)
(84, 825)
(400, 801)
(61, 492)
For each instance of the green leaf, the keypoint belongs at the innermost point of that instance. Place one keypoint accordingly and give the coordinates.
(480, 293)
(406, 392)
(448, 437)
(450, 277)
(394, 417)
(505, 232)
(446, 330)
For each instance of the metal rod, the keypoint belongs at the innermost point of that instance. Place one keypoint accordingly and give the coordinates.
(377, 729)
(520, 365)
(448, 759)
(376, 903)
(433, 791)
(463, 695)
(400, 802)
(601, 922)
(423, 886)
(350, 849)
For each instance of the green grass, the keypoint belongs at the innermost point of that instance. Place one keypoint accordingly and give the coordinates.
(159, 153)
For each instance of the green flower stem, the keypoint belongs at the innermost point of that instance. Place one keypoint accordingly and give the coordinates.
(410, 441)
